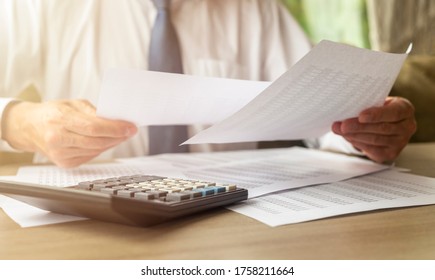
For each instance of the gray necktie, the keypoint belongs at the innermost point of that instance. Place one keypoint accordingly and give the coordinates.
(164, 56)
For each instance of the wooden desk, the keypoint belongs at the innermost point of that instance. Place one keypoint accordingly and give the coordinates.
(221, 234)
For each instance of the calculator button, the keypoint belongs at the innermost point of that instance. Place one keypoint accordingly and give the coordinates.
(144, 195)
(194, 194)
(158, 193)
(108, 191)
(85, 185)
(220, 189)
(205, 191)
(127, 193)
(178, 196)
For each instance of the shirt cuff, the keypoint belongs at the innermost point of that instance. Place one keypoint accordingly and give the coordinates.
(4, 146)
(333, 142)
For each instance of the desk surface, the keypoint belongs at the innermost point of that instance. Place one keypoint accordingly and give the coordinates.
(407, 233)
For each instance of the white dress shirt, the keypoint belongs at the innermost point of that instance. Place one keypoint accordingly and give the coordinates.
(64, 47)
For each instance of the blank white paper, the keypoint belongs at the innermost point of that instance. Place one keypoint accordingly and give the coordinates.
(157, 98)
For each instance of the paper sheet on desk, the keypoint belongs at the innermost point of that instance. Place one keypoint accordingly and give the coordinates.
(156, 98)
(382, 190)
(28, 216)
(332, 82)
(54, 176)
(260, 171)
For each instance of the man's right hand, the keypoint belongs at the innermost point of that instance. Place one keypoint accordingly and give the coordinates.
(68, 132)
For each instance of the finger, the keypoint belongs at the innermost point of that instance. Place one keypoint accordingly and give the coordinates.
(378, 154)
(83, 106)
(70, 153)
(377, 139)
(395, 109)
(98, 127)
(73, 162)
(72, 156)
(67, 139)
(68, 106)
(79, 116)
(336, 128)
(352, 126)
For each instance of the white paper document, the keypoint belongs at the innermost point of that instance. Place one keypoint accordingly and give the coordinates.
(156, 98)
(260, 171)
(51, 175)
(265, 173)
(28, 216)
(386, 189)
(332, 82)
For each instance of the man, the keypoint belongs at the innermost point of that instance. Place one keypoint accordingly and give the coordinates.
(63, 47)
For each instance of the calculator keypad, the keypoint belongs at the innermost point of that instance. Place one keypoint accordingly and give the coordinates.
(156, 188)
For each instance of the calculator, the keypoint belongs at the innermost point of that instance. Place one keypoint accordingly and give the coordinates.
(139, 200)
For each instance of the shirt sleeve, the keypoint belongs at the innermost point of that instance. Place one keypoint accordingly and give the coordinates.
(4, 146)
(332, 142)
(20, 46)
(20, 51)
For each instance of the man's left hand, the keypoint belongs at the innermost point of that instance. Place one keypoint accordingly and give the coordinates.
(380, 132)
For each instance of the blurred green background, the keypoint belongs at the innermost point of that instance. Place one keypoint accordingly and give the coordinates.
(336, 20)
